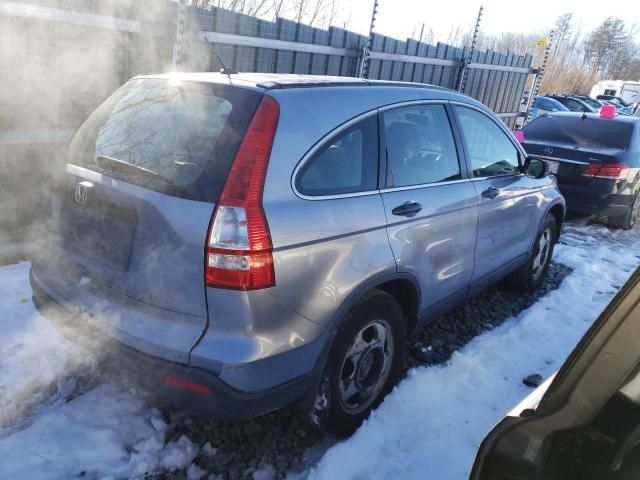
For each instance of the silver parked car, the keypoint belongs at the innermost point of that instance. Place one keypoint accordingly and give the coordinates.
(252, 241)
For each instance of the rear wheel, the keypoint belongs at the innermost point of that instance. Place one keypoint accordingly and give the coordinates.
(531, 275)
(365, 362)
(629, 219)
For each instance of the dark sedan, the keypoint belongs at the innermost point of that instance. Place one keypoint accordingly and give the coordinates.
(598, 161)
(573, 103)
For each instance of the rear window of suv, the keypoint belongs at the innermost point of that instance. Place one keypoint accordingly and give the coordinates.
(172, 136)
(583, 132)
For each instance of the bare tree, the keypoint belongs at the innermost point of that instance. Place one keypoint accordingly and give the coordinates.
(300, 9)
(455, 36)
(316, 12)
(249, 7)
(276, 7)
(562, 30)
(428, 36)
(610, 50)
(320, 13)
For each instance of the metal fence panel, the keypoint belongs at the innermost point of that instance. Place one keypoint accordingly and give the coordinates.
(337, 38)
(493, 78)
(266, 57)
(318, 62)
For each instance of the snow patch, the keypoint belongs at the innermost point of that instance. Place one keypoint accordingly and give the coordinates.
(52, 425)
(266, 473)
(435, 419)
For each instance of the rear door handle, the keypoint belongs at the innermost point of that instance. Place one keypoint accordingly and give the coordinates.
(491, 192)
(407, 209)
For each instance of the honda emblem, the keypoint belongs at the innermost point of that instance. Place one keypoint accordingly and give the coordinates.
(81, 192)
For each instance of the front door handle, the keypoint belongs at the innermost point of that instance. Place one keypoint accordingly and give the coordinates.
(491, 192)
(407, 209)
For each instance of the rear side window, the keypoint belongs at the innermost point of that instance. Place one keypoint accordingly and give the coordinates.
(577, 131)
(419, 146)
(171, 136)
(490, 150)
(347, 163)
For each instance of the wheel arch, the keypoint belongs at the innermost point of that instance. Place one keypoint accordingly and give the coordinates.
(558, 210)
(403, 287)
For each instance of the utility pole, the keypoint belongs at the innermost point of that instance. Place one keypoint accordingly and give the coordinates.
(177, 45)
(537, 81)
(464, 73)
(364, 66)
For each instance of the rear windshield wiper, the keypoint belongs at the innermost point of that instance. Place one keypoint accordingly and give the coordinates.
(109, 163)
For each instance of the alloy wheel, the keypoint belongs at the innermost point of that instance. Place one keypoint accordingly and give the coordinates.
(541, 253)
(366, 367)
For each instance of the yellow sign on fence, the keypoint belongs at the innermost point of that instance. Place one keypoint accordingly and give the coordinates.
(543, 42)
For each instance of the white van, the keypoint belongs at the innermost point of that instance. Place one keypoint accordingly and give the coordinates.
(626, 90)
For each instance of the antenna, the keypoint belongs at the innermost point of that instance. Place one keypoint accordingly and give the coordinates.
(224, 70)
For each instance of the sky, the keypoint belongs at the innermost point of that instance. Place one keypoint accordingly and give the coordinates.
(398, 18)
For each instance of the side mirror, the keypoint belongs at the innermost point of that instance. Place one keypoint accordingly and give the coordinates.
(535, 168)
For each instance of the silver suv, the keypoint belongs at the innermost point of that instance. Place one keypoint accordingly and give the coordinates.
(251, 241)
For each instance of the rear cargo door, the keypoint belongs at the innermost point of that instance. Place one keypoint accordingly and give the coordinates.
(144, 173)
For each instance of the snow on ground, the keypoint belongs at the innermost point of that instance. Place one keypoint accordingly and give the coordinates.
(35, 362)
(54, 423)
(105, 432)
(432, 424)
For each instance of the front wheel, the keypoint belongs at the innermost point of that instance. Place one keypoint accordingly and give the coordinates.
(365, 362)
(531, 275)
(629, 219)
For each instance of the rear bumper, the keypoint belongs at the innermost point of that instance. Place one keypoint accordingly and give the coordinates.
(213, 398)
(601, 198)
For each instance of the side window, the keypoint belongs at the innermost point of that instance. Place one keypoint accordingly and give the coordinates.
(491, 152)
(419, 146)
(573, 105)
(347, 163)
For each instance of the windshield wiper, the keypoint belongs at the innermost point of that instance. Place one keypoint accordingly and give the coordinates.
(109, 163)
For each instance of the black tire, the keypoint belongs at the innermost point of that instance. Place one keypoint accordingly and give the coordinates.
(530, 276)
(332, 411)
(629, 219)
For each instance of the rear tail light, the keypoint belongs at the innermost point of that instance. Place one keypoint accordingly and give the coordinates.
(239, 250)
(612, 171)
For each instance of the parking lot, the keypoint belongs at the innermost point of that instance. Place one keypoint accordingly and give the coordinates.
(64, 415)
(340, 250)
